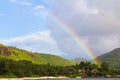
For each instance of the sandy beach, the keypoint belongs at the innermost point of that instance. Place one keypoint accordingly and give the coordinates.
(45, 77)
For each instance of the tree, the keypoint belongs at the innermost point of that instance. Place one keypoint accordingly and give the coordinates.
(105, 66)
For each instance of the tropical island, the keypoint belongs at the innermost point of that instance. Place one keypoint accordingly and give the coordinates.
(17, 63)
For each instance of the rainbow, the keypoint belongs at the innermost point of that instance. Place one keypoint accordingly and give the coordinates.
(81, 43)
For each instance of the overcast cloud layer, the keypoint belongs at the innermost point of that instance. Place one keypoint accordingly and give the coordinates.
(95, 21)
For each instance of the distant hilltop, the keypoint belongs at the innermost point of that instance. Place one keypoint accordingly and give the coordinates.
(78, 60)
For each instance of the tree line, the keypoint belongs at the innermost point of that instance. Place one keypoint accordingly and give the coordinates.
(10, 68)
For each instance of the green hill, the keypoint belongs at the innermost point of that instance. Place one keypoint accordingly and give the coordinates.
(36, 58)
(112, 58)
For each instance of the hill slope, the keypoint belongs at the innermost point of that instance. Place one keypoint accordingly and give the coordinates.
(112, 57)
(37, 58)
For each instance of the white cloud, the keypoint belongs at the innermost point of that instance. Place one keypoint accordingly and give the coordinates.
(21, 2)
(39, 13)
(40, 10)
(26, 3)
(38, 7)
(40, 42)
(33, 36)
(14, 1)
(77, 7)
(81, 6)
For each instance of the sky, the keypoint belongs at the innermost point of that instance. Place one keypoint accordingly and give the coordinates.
(27, 24)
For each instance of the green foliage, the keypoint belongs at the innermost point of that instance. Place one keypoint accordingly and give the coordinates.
(23, 68)
(36, 58)
(10, 68)
(15, 62)
(55, 60)
(105, 66)
(112, 58)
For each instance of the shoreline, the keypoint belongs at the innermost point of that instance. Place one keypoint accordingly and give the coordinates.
(27, 78)
(45, 77)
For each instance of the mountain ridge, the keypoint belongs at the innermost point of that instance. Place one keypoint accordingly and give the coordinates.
(36, 58)
(112, 58)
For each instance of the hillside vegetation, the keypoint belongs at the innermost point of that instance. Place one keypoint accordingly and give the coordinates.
(15, 62)
(112, 58)
(36, 58)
